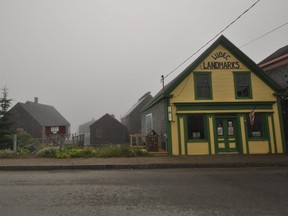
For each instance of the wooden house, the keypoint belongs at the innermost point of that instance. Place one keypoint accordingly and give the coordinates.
(108, 130)
(221, 103)
(39, 120)
(132, 119)
(276, 67)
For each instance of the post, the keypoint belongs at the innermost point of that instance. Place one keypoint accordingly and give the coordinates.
(15, 143)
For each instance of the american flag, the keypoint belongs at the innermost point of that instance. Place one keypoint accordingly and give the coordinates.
(252, 117)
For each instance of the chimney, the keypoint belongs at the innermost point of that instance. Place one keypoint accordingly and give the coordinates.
(35, 99)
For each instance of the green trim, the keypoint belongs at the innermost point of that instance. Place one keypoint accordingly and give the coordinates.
(224, 106)
(210, 97)
(239, 134)
(207, 127)
(250, 95)
(215, 134)
(179, 135)
(274, 135)
(246, 135)
(185, 126)
(281, 124)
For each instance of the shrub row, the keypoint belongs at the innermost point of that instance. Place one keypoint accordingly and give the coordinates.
(107, 151)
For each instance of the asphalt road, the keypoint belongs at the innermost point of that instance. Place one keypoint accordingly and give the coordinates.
(241, 191)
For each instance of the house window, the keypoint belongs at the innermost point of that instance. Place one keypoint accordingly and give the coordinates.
(242, 84)
(195, 124)
(203, 85)
(149, 123)
(99, 132)
(257, 130)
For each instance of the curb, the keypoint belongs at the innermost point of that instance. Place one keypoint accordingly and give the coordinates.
(140, 166)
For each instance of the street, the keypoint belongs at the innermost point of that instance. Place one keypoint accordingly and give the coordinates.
(240, 191)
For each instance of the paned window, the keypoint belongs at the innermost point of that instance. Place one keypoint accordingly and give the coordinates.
(195, 124)
(203, 86)
(242, 82)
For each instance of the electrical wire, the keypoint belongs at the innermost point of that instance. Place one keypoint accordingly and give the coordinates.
(212, 39)
(264, 35)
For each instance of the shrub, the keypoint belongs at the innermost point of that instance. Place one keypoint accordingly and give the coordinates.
(49, 152)
(7, 153)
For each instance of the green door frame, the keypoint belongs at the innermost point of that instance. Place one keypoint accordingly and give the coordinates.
(230, 129)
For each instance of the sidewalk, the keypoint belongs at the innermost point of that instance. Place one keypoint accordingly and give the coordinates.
(207, 161)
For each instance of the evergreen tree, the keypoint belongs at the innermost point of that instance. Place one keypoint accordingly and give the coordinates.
(6, 140)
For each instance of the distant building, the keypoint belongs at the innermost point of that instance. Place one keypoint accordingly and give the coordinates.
(276, 67)
(39, 120)
(132, 119)
(85, 129)
(108, 130)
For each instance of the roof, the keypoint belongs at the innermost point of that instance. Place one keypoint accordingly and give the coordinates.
(280, 52)
(44, 114)
(107, 121)
(222, 40)
(140, 100)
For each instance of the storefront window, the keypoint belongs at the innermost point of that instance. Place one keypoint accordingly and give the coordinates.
(195, 126)
(257, 129)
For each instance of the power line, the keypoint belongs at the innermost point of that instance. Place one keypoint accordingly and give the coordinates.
(211, 39)
(264, 35)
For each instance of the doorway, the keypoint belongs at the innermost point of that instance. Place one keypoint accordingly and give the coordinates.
(226, 135)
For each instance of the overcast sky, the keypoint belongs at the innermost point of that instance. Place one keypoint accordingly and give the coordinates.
(88, 58)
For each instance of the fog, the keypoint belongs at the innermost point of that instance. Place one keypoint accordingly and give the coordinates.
(88, 58)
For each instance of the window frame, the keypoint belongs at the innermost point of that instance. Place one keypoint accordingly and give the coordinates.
(250, 95)
(191, 139)
(264, 122)
(210, 97)
(150, 117)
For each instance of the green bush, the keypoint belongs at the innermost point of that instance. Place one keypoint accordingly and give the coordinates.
(8, 153)
(49, 152)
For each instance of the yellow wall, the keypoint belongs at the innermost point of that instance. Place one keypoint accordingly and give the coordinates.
(185, 92)
(258, 147)
(198, 148)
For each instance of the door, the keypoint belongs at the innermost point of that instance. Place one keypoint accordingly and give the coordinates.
(226, 133)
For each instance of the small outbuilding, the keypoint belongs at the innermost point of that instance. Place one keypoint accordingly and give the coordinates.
(108, 130)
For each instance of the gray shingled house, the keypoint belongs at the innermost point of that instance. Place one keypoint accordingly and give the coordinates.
(39, 120)
(132, 119)
(108, 130)
(276, 67)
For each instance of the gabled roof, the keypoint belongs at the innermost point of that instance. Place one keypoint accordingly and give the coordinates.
(280, 52)
(44, 114)
(107, 121)
(139, 102)
(222, 40)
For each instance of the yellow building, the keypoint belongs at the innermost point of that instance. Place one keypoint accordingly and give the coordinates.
(222, 103)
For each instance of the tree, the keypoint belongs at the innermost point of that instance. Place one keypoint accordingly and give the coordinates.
(6, 140)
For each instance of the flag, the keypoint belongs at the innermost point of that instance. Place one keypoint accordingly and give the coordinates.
(252, 117)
